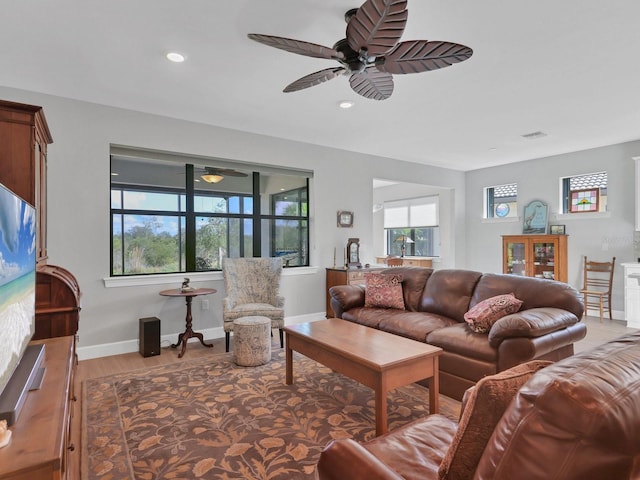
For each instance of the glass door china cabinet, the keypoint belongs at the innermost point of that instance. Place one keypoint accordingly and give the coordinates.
(541, 256)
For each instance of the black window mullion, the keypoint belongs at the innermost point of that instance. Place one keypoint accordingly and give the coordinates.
(257, 224)
(190, 221)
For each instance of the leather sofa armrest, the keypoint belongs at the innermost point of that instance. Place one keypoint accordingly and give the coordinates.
(347, 459)
(534, 322)
(346, 297)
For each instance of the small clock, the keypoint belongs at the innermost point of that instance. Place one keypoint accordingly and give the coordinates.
(353, 253)
(345, 219)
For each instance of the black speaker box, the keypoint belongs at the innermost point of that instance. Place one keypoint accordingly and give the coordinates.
(149, 336)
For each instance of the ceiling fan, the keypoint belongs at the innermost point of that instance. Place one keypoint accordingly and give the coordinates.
(216, 175)
(371, 51)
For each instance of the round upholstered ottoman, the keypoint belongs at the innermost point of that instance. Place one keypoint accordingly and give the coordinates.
(252, 341)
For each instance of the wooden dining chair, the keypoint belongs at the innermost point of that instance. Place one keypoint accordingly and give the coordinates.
(597, 285)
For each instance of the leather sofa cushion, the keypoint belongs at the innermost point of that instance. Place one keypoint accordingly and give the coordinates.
(415, 451)
(448, 293)
(460, 339)
(483, 406)
(413, 282)
(577, 418)
(414, 325)
(534, 292)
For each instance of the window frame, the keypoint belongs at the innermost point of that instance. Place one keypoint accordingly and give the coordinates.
(188, 193)
(489, 203)
(566, 191)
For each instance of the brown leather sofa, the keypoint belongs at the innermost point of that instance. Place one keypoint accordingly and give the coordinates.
(575, 419)
(546, 326)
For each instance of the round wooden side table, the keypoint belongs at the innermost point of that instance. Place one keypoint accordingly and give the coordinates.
(188, 295)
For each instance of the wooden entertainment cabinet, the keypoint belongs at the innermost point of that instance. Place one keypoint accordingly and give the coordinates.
(41, 446)
(24, 137)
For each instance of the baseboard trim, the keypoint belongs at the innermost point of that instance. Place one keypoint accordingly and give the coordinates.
(616, 314)
(129, 346)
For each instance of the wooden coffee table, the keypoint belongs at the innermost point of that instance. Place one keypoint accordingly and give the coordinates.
(379, 360)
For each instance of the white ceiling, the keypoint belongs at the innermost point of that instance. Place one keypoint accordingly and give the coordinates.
(568, 68)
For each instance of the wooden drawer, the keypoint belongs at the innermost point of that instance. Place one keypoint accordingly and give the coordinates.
(417, 262)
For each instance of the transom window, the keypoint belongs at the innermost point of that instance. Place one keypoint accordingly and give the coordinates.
(501, 201)
(166, 218)
(584, 193)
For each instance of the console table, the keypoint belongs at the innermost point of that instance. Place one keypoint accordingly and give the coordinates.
(188, 295)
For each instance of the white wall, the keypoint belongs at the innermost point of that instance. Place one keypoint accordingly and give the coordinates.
(78, 212)
(599, 236)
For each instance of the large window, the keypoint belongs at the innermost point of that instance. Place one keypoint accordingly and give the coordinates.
(166, 218)
(412, 227)
(584, 193)
(501, 201)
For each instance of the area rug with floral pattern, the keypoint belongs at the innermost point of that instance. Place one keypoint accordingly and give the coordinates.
(212, 419)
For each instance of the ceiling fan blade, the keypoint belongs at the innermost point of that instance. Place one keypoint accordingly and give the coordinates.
(314, 79)
(377, 26)
(297, 46)
(227, 172)
(422, 55)
(232, 173)
(373, 84)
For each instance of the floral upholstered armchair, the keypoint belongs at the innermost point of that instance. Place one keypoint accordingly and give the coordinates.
(252, 289)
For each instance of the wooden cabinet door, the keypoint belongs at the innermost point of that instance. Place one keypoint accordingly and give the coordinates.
(540, 256)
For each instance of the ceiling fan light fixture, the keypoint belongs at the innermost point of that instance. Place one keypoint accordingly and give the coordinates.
(212, 177)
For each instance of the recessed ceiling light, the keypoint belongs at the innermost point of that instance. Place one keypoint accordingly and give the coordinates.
(346, 104)
(114, 174)
(175, 57)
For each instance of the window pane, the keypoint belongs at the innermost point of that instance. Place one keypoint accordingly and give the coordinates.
(116, 199)
(152, 244)
(288, 240)
(211, 242)
(166, 202)
(210, 204)
(116, 245)
(418, 242)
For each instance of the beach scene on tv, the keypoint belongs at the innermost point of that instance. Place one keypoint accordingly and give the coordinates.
(17, 280)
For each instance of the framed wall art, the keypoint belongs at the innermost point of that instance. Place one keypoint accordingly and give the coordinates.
(535, 218)
(345, 219)
(556, 230)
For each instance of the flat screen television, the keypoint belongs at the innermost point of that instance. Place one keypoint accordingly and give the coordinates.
(19, 364)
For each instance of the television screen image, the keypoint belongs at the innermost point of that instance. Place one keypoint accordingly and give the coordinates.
(17, 280)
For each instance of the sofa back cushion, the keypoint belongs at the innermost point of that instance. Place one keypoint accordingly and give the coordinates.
(534, 292)
(578, 418)
(413, 282)
(448, 293)
(483, 408)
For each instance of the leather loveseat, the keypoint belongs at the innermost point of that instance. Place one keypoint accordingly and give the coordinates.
(575, 419)
(435, 302)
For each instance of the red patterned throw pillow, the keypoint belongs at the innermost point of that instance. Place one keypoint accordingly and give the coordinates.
(383, 290)
(483, 315)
